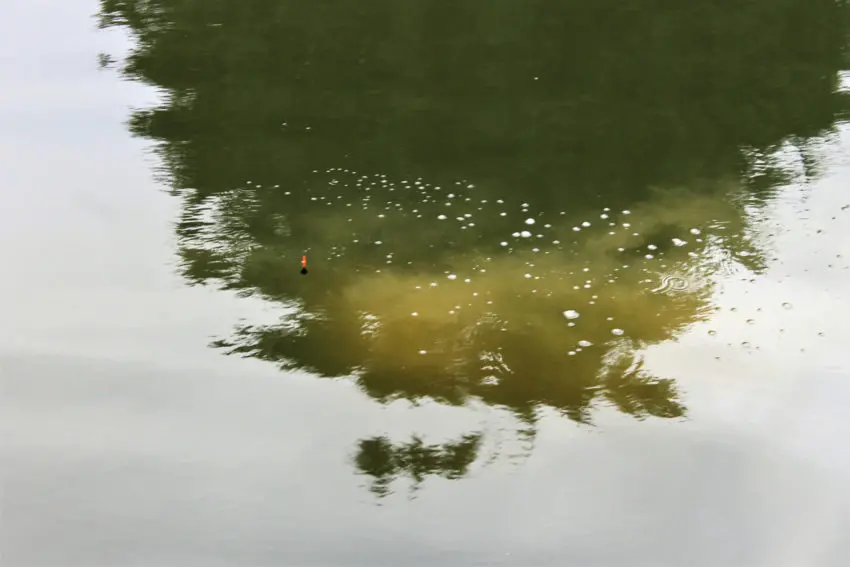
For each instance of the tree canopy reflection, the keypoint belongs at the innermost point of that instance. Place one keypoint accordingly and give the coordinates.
(349, 130)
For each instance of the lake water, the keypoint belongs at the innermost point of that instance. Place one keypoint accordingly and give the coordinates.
(576, 287)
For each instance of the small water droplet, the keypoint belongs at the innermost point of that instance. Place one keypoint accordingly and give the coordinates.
(571, 314)
(617, 332)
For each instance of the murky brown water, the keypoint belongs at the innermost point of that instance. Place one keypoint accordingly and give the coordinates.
(571, 270)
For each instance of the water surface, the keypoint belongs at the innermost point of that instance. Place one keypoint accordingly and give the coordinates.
(571, 270)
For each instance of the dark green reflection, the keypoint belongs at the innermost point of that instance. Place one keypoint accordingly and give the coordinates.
(379, 458)
(342, 129)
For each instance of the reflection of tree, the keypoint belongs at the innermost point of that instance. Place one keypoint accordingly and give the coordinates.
(290, 125)
(520, 93)
(379, 458)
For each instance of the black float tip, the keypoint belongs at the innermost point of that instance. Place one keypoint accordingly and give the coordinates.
(304, 271)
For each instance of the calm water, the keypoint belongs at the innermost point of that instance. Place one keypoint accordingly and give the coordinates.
(575, 291)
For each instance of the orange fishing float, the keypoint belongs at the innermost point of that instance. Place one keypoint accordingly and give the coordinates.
(304, 264)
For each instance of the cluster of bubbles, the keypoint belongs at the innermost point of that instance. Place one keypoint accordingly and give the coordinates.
(420, 226)
(456, 234)
(460, 248)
